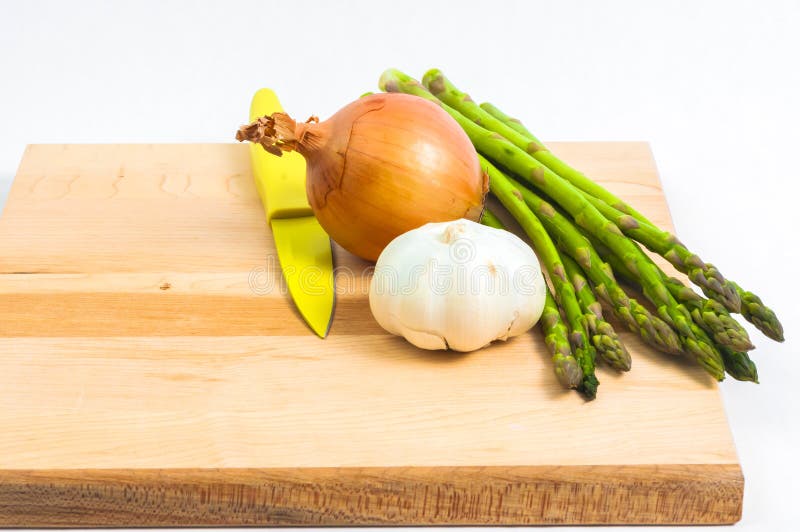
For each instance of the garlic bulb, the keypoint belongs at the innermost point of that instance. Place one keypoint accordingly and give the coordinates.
(457, 285)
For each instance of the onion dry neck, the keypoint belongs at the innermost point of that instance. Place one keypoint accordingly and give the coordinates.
(277, 133)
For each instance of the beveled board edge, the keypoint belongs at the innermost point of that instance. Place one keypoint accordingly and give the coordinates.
(525, 495)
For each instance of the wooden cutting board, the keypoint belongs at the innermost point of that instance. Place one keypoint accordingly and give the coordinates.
(154, 372)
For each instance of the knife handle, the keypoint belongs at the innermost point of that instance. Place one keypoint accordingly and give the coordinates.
(281, 181)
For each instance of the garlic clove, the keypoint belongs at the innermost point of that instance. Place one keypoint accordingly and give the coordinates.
(425, 340)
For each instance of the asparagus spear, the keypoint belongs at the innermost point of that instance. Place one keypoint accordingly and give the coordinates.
(707, 313)
(574, 176)
(705, 275)
(604, 338)
(636, 317)
(711, 316)
(393, 80)
(490, 219)
(737, 362)
(441, 87)
(757, 313)
(570, 236)
(564, 292)
(739, 365)
(567, 370)
(511, 122)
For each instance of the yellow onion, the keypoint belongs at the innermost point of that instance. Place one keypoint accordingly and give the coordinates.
(382, 165)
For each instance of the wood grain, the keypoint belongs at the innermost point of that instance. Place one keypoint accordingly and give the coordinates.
(361, 401)
(154, 372)
(680, 494)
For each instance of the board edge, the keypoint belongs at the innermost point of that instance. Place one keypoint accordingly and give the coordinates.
(496, 495)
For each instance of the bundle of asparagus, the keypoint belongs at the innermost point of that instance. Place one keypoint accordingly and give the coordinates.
(586, 237)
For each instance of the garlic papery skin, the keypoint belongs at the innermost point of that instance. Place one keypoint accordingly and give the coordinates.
(457, 285)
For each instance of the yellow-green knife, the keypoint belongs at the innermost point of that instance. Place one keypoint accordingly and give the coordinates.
(304, 248)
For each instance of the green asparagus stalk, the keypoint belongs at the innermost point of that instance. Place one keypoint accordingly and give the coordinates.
(511, 122)
(730, 337)
(757, 313)
(570, 237)
(565, 296)
(445, 91)
(711, 316)
(490, 219)
(630, 312)
(393, 80)
(556, 336)
(705, 275)
(737, 363)
(604, 338)
(574, 176)
(707, 313)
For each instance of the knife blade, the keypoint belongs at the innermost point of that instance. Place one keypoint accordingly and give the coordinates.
(304, 248)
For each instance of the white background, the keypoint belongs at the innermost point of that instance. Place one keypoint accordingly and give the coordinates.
(714, 86)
